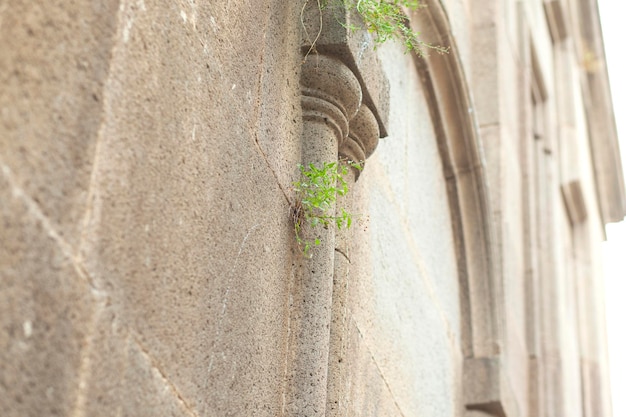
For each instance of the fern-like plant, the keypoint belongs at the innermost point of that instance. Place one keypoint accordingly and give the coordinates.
(386, 20)
(316, 194)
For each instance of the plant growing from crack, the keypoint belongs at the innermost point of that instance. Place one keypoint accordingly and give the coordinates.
(316, 194)
(385, 19)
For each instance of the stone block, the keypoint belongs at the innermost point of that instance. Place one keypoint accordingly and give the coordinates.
(482, 385)
(199, 273)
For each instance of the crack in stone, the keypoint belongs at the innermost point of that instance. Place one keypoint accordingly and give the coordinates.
(35, 210)
(84, 368)
(380, 372)
(340, 251)
(258, 111)
(155, 365)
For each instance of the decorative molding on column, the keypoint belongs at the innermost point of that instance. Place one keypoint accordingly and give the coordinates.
(362, 138)
(328, 32)
(331, 94)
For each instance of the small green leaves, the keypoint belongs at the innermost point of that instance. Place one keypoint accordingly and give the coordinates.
(387, 20)
(317, 193)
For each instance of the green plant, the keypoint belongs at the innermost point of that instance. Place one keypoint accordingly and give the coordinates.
(387, 20)
(316, 194)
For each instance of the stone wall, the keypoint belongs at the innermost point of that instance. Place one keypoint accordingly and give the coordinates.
(147, 152)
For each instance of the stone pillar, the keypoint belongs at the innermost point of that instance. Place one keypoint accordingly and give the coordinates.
(345, 102)
(331, 96)
(358, 146)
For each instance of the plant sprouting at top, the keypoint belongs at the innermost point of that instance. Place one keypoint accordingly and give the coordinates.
(386, 20)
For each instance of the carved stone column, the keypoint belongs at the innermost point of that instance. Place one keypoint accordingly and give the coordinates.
(358, 146)
(345, 101)
(331, 96)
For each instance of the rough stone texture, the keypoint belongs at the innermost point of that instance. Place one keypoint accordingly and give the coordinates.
(178, 201)
(53, 68)
(191, 195)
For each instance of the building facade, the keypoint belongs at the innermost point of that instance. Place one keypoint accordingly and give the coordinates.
(149, 264)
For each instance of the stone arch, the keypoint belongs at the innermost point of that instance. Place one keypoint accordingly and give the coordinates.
(461, 148)
(451, 110)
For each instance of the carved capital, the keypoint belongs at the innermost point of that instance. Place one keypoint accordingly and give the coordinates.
(331, 94)
(331, 31)
(362, 138)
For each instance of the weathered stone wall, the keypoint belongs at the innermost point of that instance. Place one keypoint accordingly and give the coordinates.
(147, 151)
(533, 104)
